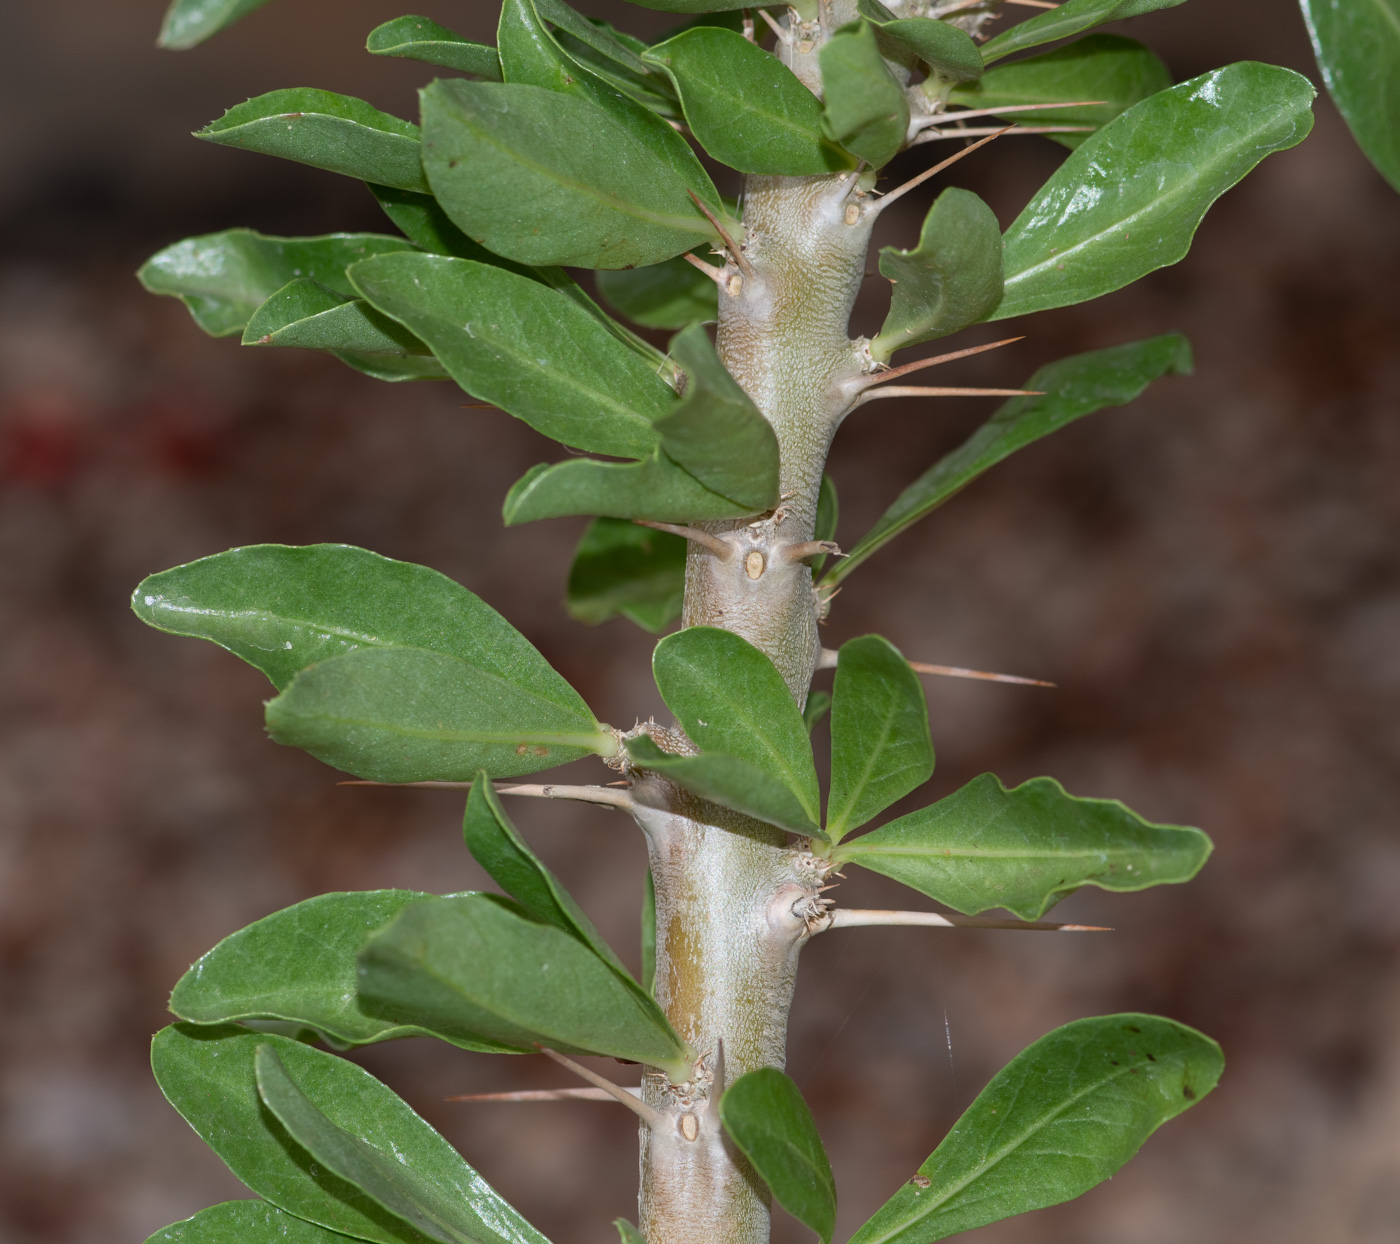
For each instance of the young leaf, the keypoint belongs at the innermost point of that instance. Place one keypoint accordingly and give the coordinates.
(245, 1222)
(1358, 50)
(664, 295)
(335, 132)
(524, 347)
(649, 934)
(627, 1233)
(1073, 387)
(622, 568)
(1025, 848)
(224, 277)
(410, 715)
(478, 965)
(419, 38)
(208, 1075)
(745, 107)
(828, 511)
(953, 278)
(730, 782)
(880, 743)
(765, 1115)
(945, 49)
(189, 23)
(1129, 199)
(866, 110)
(655, 488)
(730, 699)
(1062, 1116)
(817, 706)
(717, 433)
(1120, 72)
(432, 1205)
(298, 965)
(547, 178)
(1068, 19)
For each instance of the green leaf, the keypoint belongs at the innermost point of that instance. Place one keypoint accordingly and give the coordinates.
(223, 278)
(1062, 1116)
(665, 295)
(828, 511)
(765, 1115)
(731, 699)
(1130, 198)
(298, 966)
(649, 934)
(547, 178)
(335, 132)
(1073, 387)
(1025, 848)
(624, 49)
(689, 6)
(621, 568)
(1120, 72)
(745, 107)
(282, 608)
(478, 965)
(945, 49)
(208, 1075)
(717, 433)
(245, 1222)
(953, 278)
(817, 706)
(730, 782)
(866, 110)
(1358, 50)
(655, 488)
(190, 22)
(880, 743)
(497, 846)
(627, 1232)
(420, 38)
(432, 1205)
(410, 715)
(1067, 20)
(526, 348)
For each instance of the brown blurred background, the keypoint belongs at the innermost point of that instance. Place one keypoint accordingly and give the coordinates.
(1211, 575)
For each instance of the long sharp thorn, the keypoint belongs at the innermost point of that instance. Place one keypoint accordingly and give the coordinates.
(914, 182)
(906, 390)
(709, 269)
(939, 118)
(717, 1085)
(952, 131)
(579, 794)
(783, 36)
(653, 1118)
(880, 377)
(957, 671)
(735, 253)
(718, 547)
(568, 1094)
(853, 918)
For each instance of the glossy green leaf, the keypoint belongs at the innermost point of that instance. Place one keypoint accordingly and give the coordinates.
(208, 1075)
(282, 608)
(1120, 72)
(1129, 199)
(665, 295)
(548, 178)
(817, 706)
(866, 109)
(717, 433)
(1072, 388)
(627, 1233)
(828, 512)
(649, 934)
(432, 1205)
(1025, 848)
(420, 38)
(655, 488)
(880, 743)
(622, 568)
(190, 22)
(689, 6)
(765, 1115)
(1062, 1116)
(223, 278)
(745, 107)
(1069, 19)
(731, 699)
(730, 782)
(475, 964)
(1358, 50)
(624, 49)
(245, 1222)
(951, 279)
(298, 966)
(652, 89)
(335, 132)
(497, 846)
(410, 715)
(947, 50)
(524, 347)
